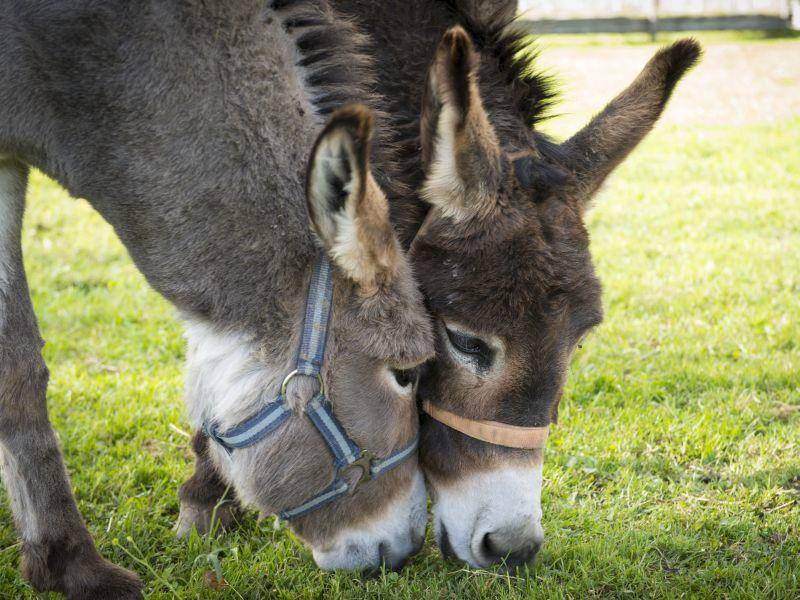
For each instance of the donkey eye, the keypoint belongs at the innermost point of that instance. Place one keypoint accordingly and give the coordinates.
(468, 344)
(405, 377)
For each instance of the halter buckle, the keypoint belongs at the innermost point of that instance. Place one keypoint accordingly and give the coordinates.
(364, 464)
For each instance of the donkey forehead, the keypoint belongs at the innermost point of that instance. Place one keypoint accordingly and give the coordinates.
(390, 325)
(494, 279)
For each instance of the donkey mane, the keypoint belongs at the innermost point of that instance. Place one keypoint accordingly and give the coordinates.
(335, 55)
(534, 91)
(332, 52)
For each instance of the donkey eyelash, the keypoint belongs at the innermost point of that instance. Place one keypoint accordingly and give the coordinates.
(468, 344)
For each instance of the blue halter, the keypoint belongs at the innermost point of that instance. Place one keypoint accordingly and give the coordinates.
(347, 455)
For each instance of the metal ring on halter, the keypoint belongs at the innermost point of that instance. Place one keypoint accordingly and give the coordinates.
(296, 373)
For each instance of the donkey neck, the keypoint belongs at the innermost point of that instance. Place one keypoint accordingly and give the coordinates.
(188, 127)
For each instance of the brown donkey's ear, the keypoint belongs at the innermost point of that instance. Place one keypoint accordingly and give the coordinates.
(348, 210)
(460, 152)
(598, 148)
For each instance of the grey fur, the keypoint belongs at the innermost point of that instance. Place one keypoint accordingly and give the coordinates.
(188, 126)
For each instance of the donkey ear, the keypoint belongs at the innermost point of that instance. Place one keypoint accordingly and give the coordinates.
(460, 152)
(592, 153)
(348, 210)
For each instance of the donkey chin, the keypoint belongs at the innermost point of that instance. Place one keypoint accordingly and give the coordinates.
(388, 539)
(341, 537)
(491, 517)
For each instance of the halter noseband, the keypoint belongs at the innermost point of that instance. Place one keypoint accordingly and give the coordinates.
(500, 434)
(347, 455)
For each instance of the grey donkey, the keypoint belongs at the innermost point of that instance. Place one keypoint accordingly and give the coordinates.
(187, 125)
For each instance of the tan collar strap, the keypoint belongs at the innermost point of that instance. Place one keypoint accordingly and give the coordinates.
(501, 434)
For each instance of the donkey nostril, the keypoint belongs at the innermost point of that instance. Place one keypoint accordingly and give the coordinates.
(490, 549)
(389, 562)
(374, 571)
(512, 558)
(417, 541)
(445, 546)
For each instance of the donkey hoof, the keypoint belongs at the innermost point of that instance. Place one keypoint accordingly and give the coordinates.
(79, 574)
(198, 518)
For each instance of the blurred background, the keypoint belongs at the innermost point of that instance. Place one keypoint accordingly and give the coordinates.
(626, 16)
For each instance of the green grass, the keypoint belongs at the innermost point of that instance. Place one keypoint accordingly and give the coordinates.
(674, 470)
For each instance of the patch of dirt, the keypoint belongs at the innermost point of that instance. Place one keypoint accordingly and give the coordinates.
(734, 84)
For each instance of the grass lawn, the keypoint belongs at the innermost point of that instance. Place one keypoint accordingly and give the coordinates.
(674, 470)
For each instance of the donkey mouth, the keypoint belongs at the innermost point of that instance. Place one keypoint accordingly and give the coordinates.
(509, 561)
(445, 546)
(388, 562)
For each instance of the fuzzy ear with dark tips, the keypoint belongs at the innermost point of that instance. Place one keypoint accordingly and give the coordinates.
(598, 148)
(460, 151)
(348, 210)
(337, 169)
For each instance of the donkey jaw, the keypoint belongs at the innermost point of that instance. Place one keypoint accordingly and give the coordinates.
(490, 517)
(226, 377)
(388, 539)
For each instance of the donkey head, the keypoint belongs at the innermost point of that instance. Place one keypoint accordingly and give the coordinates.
(378, 334)
(503, 259)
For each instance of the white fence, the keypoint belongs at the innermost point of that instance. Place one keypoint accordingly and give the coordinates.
(569, 9)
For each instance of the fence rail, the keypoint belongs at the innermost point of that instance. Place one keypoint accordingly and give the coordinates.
(632, 25)
(568, 9)
(625, 16)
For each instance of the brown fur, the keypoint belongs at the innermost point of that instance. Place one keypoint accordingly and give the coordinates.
(517, 268)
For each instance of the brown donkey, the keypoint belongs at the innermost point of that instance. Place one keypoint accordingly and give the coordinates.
(498, 245)
(165, 117)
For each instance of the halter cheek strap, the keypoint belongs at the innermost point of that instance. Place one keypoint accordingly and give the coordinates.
(348, 457)
(501, 434)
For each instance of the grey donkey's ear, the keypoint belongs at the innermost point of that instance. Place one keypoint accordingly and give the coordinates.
(593, 152)
(460, 151)
(348, 210)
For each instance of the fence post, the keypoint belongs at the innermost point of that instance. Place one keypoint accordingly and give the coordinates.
(654, 19)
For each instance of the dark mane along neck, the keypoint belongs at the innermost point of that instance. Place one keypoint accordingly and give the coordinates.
(335, 55)
(512, 62)
(403, 37)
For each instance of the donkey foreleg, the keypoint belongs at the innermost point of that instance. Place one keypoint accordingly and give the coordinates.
(58, 553)
(206, 501)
